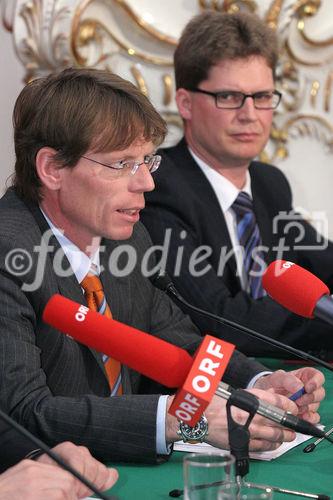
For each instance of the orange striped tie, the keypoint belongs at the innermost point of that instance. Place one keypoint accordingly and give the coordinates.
(94, 293)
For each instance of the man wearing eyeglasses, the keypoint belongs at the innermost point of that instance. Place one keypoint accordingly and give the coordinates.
(85, 144)
(220, 214)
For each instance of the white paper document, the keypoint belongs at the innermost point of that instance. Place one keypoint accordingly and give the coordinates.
(263, 455)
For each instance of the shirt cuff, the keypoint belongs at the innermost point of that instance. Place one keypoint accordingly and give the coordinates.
(161, 446)
(255, 378)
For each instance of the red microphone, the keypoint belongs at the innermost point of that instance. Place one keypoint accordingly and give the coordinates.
(168, 364)
(298, 290)
(151, 356)
(130, 346)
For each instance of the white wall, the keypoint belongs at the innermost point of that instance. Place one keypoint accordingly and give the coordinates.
(309, 166)
(11, 82)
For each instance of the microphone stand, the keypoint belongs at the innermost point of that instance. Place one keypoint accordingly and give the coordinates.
(164, 283)
(239, 435)
(40, 445)
(239, 438)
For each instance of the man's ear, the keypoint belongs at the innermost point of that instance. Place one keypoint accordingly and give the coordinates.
(184, 103)
(47, 168)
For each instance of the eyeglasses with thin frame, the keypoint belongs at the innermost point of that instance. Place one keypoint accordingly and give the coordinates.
(231, 99)
(152, 162)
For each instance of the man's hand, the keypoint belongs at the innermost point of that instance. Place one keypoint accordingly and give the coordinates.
(287, 383)
(264, 434)
(80, 459)
(30, 480)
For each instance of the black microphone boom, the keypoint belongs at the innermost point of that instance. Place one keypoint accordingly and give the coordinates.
(164, 283)
(40, 445)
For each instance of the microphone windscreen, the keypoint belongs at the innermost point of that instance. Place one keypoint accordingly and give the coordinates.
(293, 287)
(149, 355)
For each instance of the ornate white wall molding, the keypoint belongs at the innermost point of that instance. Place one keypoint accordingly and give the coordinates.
(305, 73)
(41, 30)
(136, 38)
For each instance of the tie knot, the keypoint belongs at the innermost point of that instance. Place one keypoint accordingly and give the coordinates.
(91, 283)
(242, 204)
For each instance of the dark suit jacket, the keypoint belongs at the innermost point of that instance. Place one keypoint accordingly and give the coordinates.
(57, 387)
(13, 446)
(185, 202)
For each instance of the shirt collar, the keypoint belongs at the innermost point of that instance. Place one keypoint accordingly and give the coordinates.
(79, 261)
(225, 190)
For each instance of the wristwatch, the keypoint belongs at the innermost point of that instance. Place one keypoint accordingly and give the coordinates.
(194, 434)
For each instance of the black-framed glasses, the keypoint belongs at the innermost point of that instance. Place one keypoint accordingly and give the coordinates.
(152, 162)
(231, 99)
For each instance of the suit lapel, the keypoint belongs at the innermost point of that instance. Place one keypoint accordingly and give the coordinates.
(218, 231)
(68, 285)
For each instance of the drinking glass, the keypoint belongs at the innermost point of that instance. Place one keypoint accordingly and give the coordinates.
(205, 473)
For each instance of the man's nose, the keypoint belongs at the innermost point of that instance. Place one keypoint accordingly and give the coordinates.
(142, 181)
(248, 110)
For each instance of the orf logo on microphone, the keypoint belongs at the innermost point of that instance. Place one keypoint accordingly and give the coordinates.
(81, 314)
(209, 365)
(287, 264)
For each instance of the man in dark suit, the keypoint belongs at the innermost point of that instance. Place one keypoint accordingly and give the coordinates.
(225, 70)
(84, 144)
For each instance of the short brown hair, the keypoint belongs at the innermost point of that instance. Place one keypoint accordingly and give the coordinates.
(214, 36)
(75, 110)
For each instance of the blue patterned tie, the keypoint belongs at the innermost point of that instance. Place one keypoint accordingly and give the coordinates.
(249, 240)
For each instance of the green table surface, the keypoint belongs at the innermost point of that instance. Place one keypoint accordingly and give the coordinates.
(308, 472)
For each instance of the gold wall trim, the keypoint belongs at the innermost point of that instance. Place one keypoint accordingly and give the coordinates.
(235, 5)
(210, 4)
(6, 24)
(311, 41)
(280, 135)
(168, 84)
(306, 7)
(314, 92)
(140, 81)
(304, 62)
(319, 119)
(75, 31)
(145, 25)
(273, 14)
(90, 29)
(328, 91)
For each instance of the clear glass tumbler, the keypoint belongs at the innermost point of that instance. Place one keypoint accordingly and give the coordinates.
(205, 473)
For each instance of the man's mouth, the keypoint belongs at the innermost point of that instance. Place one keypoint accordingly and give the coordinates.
(129, 211)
